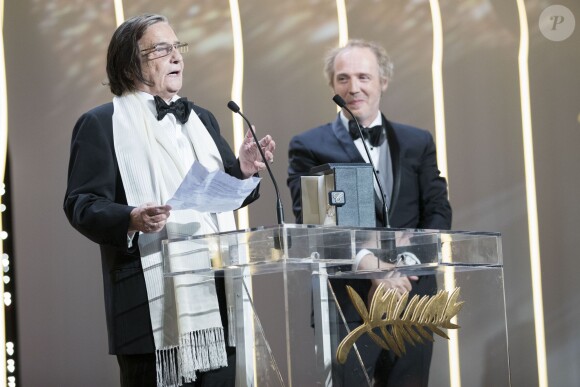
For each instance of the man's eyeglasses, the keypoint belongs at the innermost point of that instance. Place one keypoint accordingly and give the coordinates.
(163, 49)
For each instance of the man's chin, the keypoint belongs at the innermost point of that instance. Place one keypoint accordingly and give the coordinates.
(347, 114)
(174, 87)
(356, 112)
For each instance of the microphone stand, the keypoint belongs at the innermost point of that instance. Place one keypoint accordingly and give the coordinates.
(340, 102)
(279, 209)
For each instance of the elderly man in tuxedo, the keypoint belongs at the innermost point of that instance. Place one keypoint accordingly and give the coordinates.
(406, 163)
(127, 159)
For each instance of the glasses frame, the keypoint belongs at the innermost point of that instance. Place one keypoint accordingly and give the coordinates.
(160, 47)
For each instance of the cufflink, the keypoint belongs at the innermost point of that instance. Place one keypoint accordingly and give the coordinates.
(407, 259)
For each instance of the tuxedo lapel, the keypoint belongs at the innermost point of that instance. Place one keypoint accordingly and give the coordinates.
(213, 132)
(395, 150)
(346, 141)
(354, 156)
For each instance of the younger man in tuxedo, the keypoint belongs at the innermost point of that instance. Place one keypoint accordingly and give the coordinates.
(406, 162)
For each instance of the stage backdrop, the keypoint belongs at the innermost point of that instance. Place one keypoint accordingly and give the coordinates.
(55, 58)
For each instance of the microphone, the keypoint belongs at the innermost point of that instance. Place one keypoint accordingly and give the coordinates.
(279, 209)
(341, 103)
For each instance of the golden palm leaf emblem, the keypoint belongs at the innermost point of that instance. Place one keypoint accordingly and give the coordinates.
(408, 323)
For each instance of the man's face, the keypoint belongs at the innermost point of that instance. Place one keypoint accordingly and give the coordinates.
(164, 73)
(357, 81)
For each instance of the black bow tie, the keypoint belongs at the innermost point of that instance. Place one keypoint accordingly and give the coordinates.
(180, 109)
(374, 135)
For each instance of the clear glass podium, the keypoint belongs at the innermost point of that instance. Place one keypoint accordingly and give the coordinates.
(306, 314)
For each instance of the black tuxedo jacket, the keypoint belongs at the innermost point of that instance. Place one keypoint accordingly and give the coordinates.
(419, 200)
(96, 205)
(419, 197)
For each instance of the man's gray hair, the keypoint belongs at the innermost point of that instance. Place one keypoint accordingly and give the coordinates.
(383, 59)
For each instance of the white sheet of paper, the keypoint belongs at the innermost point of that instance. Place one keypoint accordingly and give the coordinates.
(215, 191)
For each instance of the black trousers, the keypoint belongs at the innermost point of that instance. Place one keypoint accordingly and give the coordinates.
(139, 371)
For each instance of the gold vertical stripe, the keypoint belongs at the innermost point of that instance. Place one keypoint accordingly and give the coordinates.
(342, 22)
(3, 155)
(119, 14)
(342, 26)
(4, 101)
(441, 144)
(238, 132)
(438, 99)
(532, 206)
(237, 91)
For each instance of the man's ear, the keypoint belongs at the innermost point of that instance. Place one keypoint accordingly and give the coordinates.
(384, 85)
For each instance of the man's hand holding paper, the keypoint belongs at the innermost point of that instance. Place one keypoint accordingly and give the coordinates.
(215, 191)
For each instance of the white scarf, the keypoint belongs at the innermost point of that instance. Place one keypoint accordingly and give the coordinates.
(184, 309)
